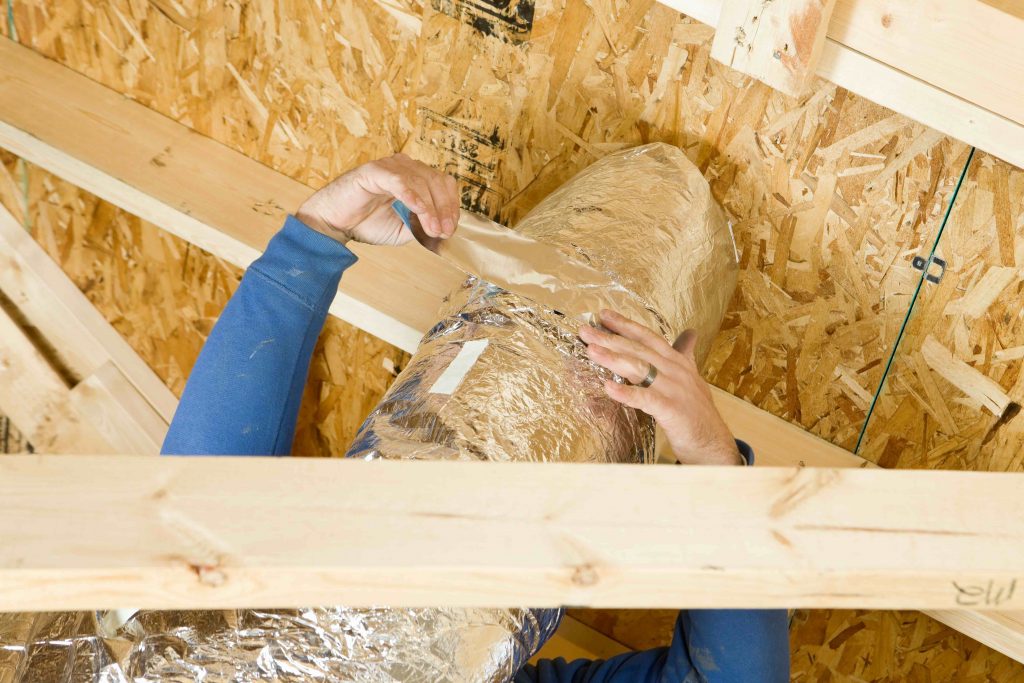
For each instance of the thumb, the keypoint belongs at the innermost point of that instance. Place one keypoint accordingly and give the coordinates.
(686, 343)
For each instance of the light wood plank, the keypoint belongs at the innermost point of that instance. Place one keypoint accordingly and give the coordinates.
(196, 188)
(949, 111)
(777, 42)
(778, 443)
(109, 402)
(963, 47)
(35, 397)
(51, 302)
(220, 532)
(575, 640)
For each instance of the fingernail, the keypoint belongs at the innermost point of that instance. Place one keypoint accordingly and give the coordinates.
(449, 225)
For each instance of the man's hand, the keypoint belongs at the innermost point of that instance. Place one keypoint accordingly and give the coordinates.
(678, 399)
(357, 205)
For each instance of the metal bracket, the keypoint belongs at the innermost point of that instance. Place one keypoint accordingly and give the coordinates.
(924, 265)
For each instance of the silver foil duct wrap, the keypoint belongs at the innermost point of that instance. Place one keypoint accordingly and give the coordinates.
(502, 376)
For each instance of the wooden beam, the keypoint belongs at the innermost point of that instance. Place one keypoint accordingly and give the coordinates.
(35, 397)
(964, 47)
(84, 341)
(221, 533)
(778, 443)
(778, 43)
(880, 74)
(109, 402)
(575, 640)
(196, 188)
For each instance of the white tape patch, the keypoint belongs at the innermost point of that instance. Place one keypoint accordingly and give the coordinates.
(462, 363)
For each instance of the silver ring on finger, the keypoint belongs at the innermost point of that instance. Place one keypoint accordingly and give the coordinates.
(652, 373)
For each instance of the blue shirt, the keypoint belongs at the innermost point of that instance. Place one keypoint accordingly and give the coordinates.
(242, 398)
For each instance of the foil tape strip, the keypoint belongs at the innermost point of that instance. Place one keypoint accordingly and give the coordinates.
(553, 277)
(640, 229)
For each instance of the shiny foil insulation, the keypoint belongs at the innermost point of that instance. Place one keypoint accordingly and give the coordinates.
(502, 376)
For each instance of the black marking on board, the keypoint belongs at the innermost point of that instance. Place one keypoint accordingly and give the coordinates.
(468, 154)
(508, 20)
(477, 197)
(985, 594)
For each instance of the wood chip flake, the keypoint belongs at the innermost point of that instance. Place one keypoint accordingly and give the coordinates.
(979, 388)
(983, 294)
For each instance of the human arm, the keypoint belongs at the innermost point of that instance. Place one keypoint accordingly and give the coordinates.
(718, 646)
(710, 646)
(243, 394)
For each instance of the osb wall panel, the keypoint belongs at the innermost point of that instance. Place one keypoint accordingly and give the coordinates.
(164, 295)
(831, 195)
(309, 88)
(952, 400)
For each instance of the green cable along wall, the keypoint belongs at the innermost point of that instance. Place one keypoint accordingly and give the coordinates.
(914, 299)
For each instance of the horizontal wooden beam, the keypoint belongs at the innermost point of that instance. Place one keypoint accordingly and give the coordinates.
(953, 65)
(196, 188)
(225, 532)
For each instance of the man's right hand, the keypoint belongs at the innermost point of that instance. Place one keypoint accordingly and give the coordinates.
(357, 205)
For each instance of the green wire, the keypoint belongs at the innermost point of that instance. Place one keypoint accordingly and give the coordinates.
(12, 31)
(913, 301)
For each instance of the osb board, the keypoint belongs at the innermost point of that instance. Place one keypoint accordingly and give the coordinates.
(518, 100)
(952, 400)
(845, 645)
(164, 295)
(309, 88)
(831, 195)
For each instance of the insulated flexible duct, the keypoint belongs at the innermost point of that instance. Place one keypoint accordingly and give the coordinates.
(502, 376)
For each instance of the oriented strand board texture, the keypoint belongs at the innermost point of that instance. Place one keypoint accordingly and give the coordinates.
(832, 195)
(953, 397)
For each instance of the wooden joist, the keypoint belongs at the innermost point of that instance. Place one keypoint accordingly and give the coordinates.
(953, 65)
(82, 339)
(224, 532)
(196, 188)
(97, 395)
(776, 42)
(35, 397)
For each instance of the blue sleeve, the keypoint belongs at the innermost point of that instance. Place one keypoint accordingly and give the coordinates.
(243, 394)
(708, 645)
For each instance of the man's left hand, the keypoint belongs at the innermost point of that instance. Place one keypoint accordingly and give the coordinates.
(678, 398)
